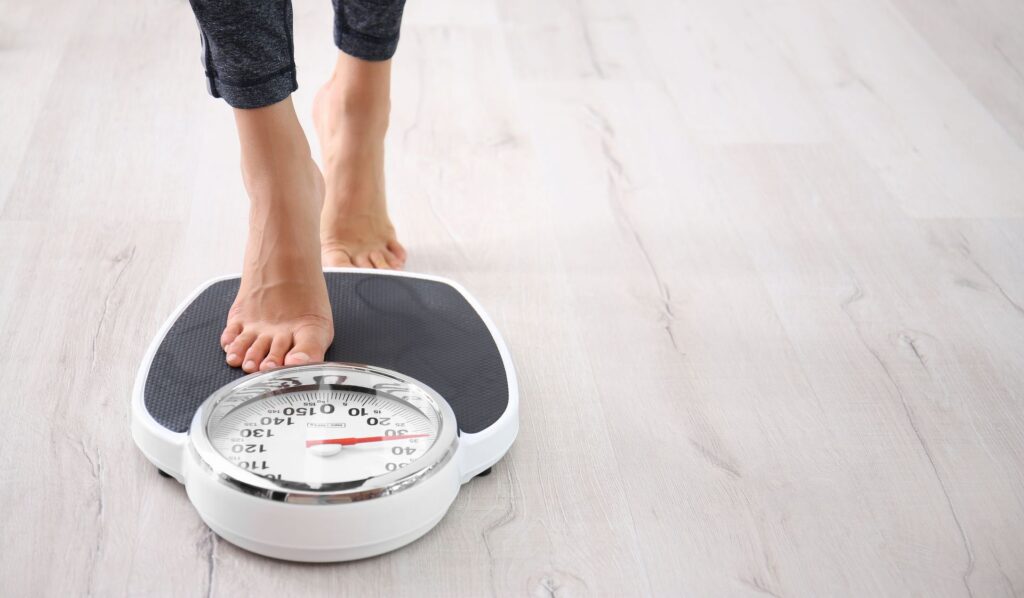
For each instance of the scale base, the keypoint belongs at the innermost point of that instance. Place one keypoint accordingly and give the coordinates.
(318, 556)
(425, 327)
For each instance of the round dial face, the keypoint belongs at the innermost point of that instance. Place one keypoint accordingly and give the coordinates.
(324, 427)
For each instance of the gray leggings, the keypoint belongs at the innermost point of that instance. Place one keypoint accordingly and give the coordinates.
(248, 51)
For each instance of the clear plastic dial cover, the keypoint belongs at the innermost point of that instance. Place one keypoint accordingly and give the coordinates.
(324, 428)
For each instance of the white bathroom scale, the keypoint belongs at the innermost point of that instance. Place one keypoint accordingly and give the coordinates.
(336, 461)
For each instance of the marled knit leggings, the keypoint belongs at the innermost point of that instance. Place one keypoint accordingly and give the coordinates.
(248, 51)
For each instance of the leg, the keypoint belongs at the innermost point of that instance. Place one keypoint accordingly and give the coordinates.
(281, 315)
(351, 116)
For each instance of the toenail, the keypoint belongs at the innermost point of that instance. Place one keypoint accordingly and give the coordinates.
(248, 365)
(232, 357)
(270, 364)
(299, 357)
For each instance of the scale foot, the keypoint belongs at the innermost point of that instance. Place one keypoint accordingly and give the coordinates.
(485, 472)
(163, 473)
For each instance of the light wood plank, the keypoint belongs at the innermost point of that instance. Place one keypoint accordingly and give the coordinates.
(981, 41)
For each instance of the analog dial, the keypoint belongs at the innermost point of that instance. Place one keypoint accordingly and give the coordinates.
(324, 428)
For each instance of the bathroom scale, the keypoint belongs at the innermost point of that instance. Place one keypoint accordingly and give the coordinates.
(340, 460)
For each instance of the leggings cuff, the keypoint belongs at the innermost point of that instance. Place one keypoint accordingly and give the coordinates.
(254, 93)
(364, 46)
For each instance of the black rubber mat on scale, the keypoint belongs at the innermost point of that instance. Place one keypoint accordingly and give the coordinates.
(421, 328)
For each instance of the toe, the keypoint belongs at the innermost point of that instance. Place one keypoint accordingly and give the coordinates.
(231, 332)
(278, 348)
(256, 354)
(310, 344)
(397, 250)
(337, 258)
(363, 261)
(237, 349)
(379, 261)
(393, 261)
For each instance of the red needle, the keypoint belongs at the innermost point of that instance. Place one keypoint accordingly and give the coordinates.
(361, 439)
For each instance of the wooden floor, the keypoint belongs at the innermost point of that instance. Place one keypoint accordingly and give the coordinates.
(760, 265)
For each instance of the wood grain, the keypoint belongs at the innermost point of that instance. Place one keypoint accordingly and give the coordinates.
(761, 267)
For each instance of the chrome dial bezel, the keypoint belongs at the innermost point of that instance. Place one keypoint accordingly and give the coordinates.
(375, 380)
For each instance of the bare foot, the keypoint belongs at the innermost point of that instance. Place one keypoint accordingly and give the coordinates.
(281, 315)
(351, 117)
